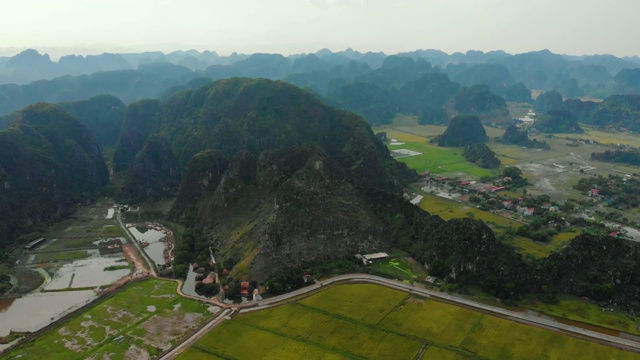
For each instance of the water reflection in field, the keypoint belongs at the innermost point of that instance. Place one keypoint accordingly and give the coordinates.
(155, 250)
(32, 312)
(88, 272)
(189, 286)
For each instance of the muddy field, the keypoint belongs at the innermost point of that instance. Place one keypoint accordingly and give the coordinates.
(138, 322)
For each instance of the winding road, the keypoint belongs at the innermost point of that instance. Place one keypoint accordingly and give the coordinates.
(228, 310)
(589, 335)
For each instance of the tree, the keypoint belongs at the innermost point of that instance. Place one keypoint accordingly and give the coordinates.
(182, 270)
(512, 172)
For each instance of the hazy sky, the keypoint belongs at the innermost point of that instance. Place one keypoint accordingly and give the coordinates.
(295, 26)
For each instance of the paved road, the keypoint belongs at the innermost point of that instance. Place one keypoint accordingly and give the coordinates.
(229, 309)
(523, 318)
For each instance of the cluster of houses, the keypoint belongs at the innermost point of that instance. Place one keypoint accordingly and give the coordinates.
(469, 186)
(527, 211)
(474, 187)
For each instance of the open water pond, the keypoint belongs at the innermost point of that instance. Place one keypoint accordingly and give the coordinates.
(189, 286)
(35, 311)
(155, 250)
(88, 272)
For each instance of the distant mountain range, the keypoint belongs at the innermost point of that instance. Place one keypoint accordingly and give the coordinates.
(542, 70)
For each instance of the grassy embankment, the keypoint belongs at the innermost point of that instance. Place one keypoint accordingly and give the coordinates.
(576, 309)
(60, 256)
(451, 209)
(370, 321)
(538, 250)
(144, 318)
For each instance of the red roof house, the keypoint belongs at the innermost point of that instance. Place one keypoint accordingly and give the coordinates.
(244, 288)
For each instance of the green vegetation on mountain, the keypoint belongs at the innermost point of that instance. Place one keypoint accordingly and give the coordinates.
(154, 172)
(148, 81)
(140, 120)
(584, 268)
(368, 100)
(277, 157)
(496, 76)
(550, 100)
(481, 155)
(557, 121)
(103, 116)
(463, 130)
(518, 92)
(427, 96)
(618, 111)
(50, 162)
(480, 101)
(581, 110)
(627, 81)
(520, 137)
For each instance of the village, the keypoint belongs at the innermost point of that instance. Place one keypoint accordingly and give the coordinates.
(506, 196)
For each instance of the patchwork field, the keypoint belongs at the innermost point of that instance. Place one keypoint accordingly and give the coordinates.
(374, 322)
(540, 250)
(137, 323)
(552, 172)
(438, 160)
(451, 209)
(83, 228)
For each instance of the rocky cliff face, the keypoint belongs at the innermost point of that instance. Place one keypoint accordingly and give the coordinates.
(271, 174)
(603, 268)
(288, 207)
(154, 172)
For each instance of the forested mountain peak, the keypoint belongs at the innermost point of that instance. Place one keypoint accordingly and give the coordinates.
(49, 162)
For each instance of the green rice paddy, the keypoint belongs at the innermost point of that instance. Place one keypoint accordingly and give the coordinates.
(436, 159)
(374, 322)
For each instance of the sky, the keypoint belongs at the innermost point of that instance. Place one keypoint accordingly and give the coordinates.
(576, 27)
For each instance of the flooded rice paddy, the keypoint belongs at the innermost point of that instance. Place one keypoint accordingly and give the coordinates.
(88, 273)
(153, 237)
(34, 311)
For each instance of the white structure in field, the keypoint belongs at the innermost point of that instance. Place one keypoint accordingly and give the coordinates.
(370, 258)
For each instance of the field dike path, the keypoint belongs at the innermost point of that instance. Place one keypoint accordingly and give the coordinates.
(589, 335)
